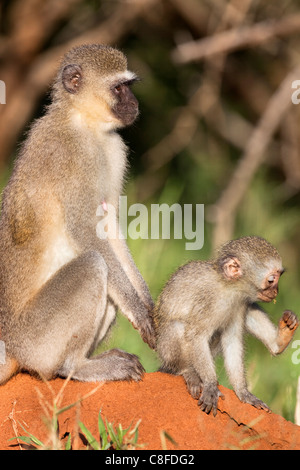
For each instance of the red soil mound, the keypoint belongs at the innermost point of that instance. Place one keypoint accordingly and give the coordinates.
(161, 402)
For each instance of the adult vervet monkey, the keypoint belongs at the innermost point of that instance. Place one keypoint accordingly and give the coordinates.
(60, 285)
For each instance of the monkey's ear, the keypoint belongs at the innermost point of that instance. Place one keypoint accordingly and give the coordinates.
(231, 267)
(72, 77)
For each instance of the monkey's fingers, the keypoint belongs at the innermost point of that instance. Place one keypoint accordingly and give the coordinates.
(148, 337)
(147, 333)
(289, 320)
(287, 326)
(207, 408)
(262, 406)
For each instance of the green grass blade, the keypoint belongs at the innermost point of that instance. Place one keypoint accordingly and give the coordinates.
(68, 445)
(33, 439)
(113, 436)
(103, 433)
(164, 435)
(90, 438)
(135, 431)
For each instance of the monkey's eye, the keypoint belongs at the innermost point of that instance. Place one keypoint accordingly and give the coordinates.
(271, 279)
(118, 89)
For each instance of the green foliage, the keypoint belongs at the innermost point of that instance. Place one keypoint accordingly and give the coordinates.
(110, 437)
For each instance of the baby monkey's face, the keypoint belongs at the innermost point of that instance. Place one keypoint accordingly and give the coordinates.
(269, 287)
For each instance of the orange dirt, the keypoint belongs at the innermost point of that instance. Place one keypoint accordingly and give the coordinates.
(162, 403)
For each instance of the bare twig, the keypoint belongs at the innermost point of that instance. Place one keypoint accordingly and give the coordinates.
(12, 419)
(236, 38)
(224, 211)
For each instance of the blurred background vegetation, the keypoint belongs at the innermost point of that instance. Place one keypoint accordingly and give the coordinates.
(217, 127)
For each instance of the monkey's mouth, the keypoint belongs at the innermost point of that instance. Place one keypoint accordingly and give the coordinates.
(267, 296)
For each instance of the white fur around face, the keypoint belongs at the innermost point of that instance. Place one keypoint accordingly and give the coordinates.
(125, 76)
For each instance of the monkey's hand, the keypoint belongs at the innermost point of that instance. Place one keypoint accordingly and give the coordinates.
(146, 328)
(287, 326)
(148, 333)
(247, 397)
(209, 398)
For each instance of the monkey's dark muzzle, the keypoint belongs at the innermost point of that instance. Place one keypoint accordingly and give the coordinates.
(267, 295)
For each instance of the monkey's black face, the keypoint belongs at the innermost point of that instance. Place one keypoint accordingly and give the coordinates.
(269, 289)
(126, 108)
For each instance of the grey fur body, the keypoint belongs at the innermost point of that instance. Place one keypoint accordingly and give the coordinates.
(60, 285)
(205, 309)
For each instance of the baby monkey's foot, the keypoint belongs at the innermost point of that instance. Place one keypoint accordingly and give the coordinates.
(209, 398)
(193, 383)
(247, 397)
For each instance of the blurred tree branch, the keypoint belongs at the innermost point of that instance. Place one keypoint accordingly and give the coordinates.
(290, 151)
(29, 78)
(224, 211)
(236, 38)
(205, 103)
(222, 103)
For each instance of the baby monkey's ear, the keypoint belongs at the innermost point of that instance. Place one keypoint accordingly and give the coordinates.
(231, 267)
(72, 78)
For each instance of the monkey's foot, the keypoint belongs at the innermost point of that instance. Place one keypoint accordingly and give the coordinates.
(193, 383)
(209, 398)
(127, 366)
(247, 397)
(114, 364)
(287, 326)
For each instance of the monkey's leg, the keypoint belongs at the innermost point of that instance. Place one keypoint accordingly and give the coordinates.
(169, 348)
(275, 339)
(174, 357)
(192, 379)
(203, 364)
(232, 346)
(62, 322)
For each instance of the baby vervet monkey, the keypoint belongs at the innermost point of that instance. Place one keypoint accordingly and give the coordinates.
(60, 284)
(205, 309)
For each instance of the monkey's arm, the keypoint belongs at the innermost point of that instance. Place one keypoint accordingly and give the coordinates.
(125, 296)
(276, 339)
(122, 253)
(232, 346)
